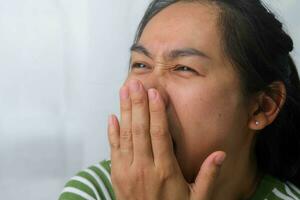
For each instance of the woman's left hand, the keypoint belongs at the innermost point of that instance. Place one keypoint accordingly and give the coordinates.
(144, 166)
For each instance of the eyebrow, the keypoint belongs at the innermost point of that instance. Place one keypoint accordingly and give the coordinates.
(173, 54)
(140, 49)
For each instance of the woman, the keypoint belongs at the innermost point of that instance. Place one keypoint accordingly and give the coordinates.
(209, 111)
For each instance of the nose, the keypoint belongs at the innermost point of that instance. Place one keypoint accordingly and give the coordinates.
(158, 83)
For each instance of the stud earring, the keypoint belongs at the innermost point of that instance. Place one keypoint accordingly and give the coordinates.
(257, 122)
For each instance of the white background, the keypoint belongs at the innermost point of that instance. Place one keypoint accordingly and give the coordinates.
(61, 65)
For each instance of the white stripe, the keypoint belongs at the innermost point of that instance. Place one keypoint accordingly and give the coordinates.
(293, 187)
(100, 183)
(287, 189)
(88, 184)
(104, 171)
(281, 195)
(78, 192)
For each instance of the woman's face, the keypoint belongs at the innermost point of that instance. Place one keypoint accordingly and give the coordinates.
(180, 54)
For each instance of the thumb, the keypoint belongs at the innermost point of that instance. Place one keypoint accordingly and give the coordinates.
(204, 184)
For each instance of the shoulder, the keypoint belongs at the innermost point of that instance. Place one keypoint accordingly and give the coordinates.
(93, 183)
(272, 188)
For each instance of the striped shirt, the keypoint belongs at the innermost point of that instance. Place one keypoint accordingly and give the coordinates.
(94, 183)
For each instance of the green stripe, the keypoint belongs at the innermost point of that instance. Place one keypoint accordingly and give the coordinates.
(70, 196)
(82, 187)
(94, 182)
(106, 164)
(104, 179)
(273, 196)
(293, 190)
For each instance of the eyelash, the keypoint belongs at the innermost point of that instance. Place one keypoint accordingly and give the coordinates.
(184, 67)
(137, 65)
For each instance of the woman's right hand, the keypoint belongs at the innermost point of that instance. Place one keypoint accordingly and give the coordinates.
(144, 165)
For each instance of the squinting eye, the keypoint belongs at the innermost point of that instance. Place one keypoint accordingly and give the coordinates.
(184, 68)
(138, 65)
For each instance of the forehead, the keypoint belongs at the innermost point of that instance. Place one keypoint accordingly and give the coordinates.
(183, 25)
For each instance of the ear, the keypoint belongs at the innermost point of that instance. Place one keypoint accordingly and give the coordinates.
(266, 106)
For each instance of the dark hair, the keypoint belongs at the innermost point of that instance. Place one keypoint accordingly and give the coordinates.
(258, 47)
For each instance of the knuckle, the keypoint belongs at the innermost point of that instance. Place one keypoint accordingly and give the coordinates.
(139, 129)
(157, 131)
(113, 140)
(125, 134)
(125, 106)
(114, 145)
(154, 108)
(165, 174)
(138, 101)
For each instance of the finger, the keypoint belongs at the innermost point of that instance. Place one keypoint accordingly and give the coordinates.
(160, 136)
(114, 137)
(126, 148)
(207, 176)
(140, 123)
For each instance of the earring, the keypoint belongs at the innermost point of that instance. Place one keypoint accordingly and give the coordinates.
(257, 122)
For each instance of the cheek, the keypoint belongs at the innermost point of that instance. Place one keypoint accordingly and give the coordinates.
(205, 112)
(207, 117)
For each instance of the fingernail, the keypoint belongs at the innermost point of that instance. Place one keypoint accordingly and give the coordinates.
(152, 94)
(134, 86)
(124, 93)
(219, 159)
(111, 120)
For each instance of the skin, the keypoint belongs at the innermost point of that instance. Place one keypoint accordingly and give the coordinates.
(199, 107)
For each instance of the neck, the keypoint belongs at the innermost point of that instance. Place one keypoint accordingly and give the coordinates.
(239, 180)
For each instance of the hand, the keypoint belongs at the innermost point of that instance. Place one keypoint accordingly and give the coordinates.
(144, 166)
